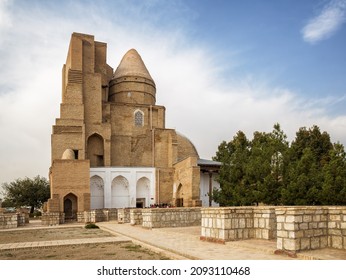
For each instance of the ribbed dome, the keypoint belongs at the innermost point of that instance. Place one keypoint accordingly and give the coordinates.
(132, 65)
(185, 148)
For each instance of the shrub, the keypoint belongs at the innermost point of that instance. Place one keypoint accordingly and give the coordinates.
(91, 225)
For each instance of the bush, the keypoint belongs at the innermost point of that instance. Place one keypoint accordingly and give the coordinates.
(91, 225)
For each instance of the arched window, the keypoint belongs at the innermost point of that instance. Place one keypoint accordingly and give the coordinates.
(139, 118)
(95, 150)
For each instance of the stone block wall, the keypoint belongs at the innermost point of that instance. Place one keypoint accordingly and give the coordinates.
(124, 215)
(314, 227)
(8, 220)
(171, 217)
(92, 216)
(13, 220)
(52, 218)
(302, 228)
(136, 217)
(337, 227)
(237, 223)
(295, 228)
(265, 226)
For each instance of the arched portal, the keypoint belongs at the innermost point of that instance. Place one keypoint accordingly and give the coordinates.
(95, 150)
(143, 192)
(120, 192)
(179, 200)
(96, 192)
(70, 206)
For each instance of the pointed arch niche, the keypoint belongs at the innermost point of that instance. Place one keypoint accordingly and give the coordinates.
(95, 150)
(120, 192)
(143, 192)
(96, 192)
(70, 206)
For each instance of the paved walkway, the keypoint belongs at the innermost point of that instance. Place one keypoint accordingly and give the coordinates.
(185, 242)
(44, 244)
(181, 243)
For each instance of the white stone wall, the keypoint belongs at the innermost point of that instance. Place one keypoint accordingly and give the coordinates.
(204, 189)
(131, 179)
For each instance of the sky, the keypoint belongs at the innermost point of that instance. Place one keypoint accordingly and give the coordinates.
(220, 66)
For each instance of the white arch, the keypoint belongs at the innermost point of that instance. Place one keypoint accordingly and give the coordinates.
(120, 192)
(96, 192)
(143, 191)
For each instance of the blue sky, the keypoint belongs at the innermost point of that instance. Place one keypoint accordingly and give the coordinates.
(224, 66)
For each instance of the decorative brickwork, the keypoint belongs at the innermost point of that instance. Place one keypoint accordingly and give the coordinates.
(110, 119)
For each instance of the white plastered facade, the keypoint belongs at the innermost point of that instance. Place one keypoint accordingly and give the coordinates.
(122, 187)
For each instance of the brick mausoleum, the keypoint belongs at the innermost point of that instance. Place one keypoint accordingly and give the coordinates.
(110, 146)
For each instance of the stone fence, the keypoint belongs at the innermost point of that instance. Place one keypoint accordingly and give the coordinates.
(13, 220)
(315, 227)
(294, 228)
(236, 223)
(93, 216)
(171, 217)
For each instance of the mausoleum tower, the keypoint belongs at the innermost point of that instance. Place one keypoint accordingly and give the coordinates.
(131, 82)
(110, 146)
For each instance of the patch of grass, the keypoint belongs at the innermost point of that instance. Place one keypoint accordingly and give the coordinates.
(9, 255)
(134, 248)
(91, 225)
(50, 256)
(110, 254)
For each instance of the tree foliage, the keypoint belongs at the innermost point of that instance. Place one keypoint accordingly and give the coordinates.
(26, 192)
(268, 170)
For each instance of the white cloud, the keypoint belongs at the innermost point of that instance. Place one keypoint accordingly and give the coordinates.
(326, 23)
(198, 104)
(5, 20)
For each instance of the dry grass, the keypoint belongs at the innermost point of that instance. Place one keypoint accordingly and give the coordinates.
(97, 251)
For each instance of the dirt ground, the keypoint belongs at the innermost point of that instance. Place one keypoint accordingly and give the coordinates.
(99, 251)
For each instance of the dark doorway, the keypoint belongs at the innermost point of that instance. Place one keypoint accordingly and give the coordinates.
(140, 203)
(70, 207)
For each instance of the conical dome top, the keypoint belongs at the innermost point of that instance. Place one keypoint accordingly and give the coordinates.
(132, 65)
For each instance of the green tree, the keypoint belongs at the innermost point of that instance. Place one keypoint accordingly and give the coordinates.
(252, 170)
(234, 155)
(334, 177)
(312, 138)
(266, 165)
(308, 155)
(26, 192)
(304, 181)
